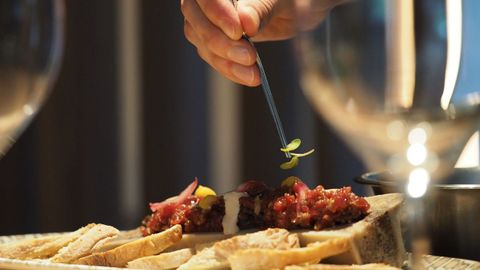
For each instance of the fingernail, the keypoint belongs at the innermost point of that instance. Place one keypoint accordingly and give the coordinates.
(243, 73)
(239, 54)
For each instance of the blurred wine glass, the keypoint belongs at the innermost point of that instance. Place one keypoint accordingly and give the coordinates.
(398, 79)
(31, 37)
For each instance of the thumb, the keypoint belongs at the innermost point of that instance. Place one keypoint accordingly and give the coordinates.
(254, 14)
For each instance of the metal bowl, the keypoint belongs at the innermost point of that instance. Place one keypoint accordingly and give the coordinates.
(451, 211)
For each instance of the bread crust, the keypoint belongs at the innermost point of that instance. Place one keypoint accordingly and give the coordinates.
(163, 261)
(262, 258)
(147, 246)
(40, 248)
(21, 249)
(84, 244)
(113, 242)
(215, 257)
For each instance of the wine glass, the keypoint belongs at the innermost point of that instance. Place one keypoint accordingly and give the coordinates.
(31, 37)
(399, 81)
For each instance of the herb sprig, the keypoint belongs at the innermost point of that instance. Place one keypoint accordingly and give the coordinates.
(293, 162)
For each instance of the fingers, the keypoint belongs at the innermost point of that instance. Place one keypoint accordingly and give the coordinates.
(242, 74)
(222, 13)
(246, 75)
(233, 58)
(215, 40)
(254, 14)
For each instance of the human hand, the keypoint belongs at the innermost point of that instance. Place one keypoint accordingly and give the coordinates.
(215, 28)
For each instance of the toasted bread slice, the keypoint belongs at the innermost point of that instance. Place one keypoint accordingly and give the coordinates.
(194, 239)
(163, 261)
(269, 238)
(113, 242)
(215, 257)
(40, 248)
(205, 260)
(370, 266)
(83, 245)
(20, 249)
(267, 258)
(147, 246)
(375, 239)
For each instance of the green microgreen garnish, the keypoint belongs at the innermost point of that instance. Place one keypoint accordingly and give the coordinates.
(302, 154)
(294, 144)
(293, 162)
(290, 164)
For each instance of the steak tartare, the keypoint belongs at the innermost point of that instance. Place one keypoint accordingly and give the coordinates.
(254, 205)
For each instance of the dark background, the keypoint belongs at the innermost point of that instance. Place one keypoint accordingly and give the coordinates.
(63, 171)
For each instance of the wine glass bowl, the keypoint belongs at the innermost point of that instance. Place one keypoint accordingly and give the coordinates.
(31, 37)
(396, 79)
(390, 86)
